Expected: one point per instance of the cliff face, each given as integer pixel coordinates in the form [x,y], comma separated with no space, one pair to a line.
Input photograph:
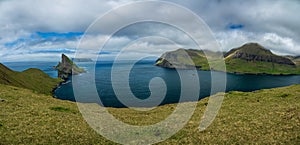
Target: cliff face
[67,67]
[256,52]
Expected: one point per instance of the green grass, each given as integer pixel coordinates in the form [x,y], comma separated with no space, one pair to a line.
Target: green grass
[256,67]
[32,78]
[60,109]
[261,117]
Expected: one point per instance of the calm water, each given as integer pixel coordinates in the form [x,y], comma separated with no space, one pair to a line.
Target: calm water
[140,76]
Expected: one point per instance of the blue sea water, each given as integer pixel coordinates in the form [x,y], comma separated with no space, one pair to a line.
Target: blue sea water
[140,76]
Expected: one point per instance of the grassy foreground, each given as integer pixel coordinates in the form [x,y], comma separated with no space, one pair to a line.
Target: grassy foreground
[265,117]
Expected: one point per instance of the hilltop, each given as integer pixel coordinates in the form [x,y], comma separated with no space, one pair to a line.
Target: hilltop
[251,58]
[255,59]
[261,117]
[31,78]
[256,52]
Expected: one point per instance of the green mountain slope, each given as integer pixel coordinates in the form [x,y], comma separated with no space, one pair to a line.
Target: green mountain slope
[250,58]
[261,117]
[255,59]
[32,78]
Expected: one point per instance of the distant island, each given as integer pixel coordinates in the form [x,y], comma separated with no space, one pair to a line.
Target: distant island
[82,60]
[67,67]
[251,58]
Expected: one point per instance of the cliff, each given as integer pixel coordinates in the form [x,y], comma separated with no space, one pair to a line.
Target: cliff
[67,67]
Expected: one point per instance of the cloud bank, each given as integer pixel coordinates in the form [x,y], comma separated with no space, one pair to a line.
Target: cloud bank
[42,30]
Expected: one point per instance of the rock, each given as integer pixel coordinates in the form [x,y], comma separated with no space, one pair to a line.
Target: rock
[67,67]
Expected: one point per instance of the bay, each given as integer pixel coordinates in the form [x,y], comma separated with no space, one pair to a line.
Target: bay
[140,76]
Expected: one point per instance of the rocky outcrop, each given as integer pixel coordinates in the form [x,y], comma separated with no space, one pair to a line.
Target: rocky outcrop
[67,67]
[256,52]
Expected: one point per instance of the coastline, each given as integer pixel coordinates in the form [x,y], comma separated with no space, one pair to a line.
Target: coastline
[200,97]
[236,73]
[57,86]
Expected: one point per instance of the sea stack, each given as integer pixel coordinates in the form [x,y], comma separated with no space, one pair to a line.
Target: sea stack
[67,67]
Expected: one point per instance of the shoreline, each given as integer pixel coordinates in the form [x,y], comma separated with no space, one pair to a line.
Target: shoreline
[175,103]
[236,73]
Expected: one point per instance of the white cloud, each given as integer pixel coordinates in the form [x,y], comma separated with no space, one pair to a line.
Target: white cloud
[278,44]
[273,23]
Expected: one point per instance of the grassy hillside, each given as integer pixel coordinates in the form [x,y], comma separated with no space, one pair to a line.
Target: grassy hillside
[242,66]
[255,59]
[263,117]
[33,79]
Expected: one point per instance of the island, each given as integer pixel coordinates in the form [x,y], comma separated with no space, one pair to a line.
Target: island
[250,58]
[67,67]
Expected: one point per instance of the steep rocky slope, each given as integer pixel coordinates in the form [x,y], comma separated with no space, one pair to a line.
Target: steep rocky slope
[67,67]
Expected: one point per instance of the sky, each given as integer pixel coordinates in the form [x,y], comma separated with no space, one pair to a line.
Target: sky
[34,30]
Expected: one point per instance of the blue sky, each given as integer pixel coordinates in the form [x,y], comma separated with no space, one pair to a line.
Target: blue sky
[68,35]
[236,26]
[49,28]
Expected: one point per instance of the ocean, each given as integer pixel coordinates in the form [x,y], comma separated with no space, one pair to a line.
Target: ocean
[165,90]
